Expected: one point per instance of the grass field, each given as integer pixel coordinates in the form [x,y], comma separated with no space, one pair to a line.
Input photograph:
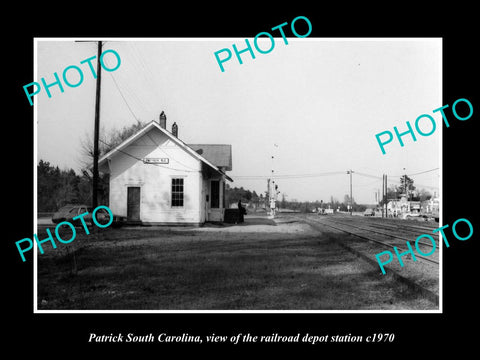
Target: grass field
[206,269]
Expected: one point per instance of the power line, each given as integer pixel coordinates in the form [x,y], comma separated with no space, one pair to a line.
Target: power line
[159,148]
[123,97]
[145,75]
[368,175]
[286,176]
[139,159]
[421,172]
[298,176]
[367,184]
[131,95]
[142,61]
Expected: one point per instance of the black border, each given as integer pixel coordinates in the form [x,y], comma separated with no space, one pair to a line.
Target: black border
[431,331]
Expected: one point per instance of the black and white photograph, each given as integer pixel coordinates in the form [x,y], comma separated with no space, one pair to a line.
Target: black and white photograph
[259,187]
[237,180]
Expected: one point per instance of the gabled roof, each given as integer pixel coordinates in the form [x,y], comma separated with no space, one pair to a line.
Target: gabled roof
[218,154]
[154,124]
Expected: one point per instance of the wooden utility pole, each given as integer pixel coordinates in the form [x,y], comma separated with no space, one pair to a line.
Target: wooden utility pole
[351,196]
[97,129]
[386,196]
[383,194]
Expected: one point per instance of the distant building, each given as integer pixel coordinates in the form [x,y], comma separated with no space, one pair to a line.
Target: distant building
[415,207]
[402,206]
[397,207]
[431,206]
[155,178]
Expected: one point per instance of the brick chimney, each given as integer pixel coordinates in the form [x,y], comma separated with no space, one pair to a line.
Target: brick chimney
[163,120]
[175,129]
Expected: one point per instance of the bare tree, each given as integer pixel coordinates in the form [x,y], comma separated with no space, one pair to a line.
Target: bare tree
[108,141]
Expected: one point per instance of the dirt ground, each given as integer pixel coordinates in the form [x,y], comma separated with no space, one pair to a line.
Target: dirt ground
[258,265]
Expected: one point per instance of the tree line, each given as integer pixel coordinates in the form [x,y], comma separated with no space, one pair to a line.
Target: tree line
[407,189]
[58,187]
[251,198]
[394,192]
[309,206]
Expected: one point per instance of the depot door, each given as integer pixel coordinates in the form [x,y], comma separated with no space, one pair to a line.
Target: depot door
[133,203]
[215,208]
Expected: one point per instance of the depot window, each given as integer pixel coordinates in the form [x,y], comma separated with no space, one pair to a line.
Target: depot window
[177,192]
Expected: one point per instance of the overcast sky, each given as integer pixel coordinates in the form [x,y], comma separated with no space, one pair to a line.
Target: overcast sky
[320,101]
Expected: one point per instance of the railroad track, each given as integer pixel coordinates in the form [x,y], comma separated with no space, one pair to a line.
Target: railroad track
[365,233]
[374,230]
[403,226]
[399,229]
[422,276]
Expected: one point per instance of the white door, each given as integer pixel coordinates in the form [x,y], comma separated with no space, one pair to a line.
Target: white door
[214,205]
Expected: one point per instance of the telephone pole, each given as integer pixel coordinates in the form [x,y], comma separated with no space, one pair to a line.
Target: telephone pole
[96,126]
[383,195]
[351,198]
[273,187]
[97,129]
[386,196]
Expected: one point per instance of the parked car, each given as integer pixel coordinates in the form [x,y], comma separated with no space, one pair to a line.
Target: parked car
[68,212]
[369,212]
[410,215]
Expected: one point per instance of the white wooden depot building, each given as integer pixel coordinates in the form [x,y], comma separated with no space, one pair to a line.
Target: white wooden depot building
[155,178]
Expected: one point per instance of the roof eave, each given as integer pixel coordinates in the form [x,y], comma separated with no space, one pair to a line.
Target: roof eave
[147,127]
